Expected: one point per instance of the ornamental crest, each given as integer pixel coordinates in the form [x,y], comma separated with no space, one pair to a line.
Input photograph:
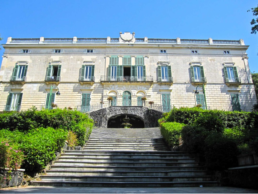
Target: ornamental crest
[127,37]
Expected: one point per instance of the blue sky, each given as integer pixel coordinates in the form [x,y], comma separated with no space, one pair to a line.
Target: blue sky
[197,19]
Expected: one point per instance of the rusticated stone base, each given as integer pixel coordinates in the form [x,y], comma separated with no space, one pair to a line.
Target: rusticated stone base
[149,116]
[11,178]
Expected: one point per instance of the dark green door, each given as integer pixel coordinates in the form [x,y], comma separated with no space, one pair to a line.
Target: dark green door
[126,98]
[166,102]
[139,101]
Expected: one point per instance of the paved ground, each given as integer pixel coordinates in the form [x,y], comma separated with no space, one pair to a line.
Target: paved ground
[128,190]
[147,133]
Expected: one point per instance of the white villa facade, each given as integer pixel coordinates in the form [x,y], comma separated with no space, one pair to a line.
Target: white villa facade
[87,71]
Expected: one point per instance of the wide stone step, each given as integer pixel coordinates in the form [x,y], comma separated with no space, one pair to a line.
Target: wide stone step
[63,158]
[82,167]
[125,178]
[108,156]
[124,144]
[143,164]
[125,149]
[77,172]
[126,152]
[125,184]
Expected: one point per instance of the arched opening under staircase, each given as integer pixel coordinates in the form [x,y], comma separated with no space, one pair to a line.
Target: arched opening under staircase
[117,120]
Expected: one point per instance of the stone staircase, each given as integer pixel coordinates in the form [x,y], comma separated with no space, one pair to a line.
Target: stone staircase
[125,158]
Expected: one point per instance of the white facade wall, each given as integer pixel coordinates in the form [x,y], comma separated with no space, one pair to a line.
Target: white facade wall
[179,57]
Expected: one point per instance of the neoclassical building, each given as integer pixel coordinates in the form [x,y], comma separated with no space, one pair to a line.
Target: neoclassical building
[90,73]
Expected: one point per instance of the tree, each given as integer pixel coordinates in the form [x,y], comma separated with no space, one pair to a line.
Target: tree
[255,81]
[254,21]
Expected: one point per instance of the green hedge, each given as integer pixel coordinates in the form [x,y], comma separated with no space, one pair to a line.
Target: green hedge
[171,132]
[229,119]
[38,145]
[81,124]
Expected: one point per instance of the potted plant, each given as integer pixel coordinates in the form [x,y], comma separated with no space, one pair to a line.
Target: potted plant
[143,100]
[151,103]
[110,98]
[70,108]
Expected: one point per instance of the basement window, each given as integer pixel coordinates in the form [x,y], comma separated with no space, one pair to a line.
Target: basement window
[57,51]
[163,51]
[25,51]
[89,51]
[226,52]
[194,52]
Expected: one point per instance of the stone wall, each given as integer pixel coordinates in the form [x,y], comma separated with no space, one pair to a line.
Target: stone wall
[150,117]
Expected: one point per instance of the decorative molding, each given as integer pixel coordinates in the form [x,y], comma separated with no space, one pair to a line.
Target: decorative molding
[22,62]
[228,63]
[86,90]
[236,90]
[163,63]
[16,89]
[195,62]
[54,90]
[165,90]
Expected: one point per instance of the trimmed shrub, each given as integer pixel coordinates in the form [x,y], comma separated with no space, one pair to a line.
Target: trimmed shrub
[220,152]
[211,122]
[171,132]
[71,139]
[235,134]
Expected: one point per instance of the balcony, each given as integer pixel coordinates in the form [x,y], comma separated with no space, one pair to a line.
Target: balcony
[147,79]
[200,81]
[233,82]
[16,80]
[167,81]
[52,79]
[89,80]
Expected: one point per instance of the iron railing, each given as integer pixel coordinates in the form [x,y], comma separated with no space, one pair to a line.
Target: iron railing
[15,108]
[16,79]
[126,79]
[53,78]
[200,80]
[168,79]
[90,79]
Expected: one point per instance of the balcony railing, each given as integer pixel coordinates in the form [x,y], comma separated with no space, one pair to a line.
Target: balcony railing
[10,108]
[17,79]
[90,79]
[156,40]
[236,80]
[52,78]
[200,80]
[126,79]
[192,41]
[167,80]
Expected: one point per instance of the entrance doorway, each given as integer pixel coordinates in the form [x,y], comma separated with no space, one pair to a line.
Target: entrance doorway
[116,121]
[126,98]
[127,73]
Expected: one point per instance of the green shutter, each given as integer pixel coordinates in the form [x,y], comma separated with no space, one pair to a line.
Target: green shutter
[169,73]
[202,73]
[19,102]
[58,73]
[200,100]
[47,101]
[133,73]
[113,102]
[113,60]
[53,97]
[139,60]
[235,74]
[144,73]
[119,71]
[15,69]
[159,73]
[25,71]
[108,73]
[48,72]
[226,74]
[85,102]
[127,60]
[192,74]
[82,73]
[139,101]
[9,101]
[92,72]
[166,102]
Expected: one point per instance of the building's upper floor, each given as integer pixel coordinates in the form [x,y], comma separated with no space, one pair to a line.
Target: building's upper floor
[125,59]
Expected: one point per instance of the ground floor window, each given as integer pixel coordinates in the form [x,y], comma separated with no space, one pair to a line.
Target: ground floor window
[200,100]
[13,102]
[235,102]
[166,102]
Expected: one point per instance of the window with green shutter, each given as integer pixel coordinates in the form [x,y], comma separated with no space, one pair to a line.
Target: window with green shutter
[166,102]
[53,73]
[200,100]
[87,73]
[50,99]
[85,102]
[230,74]
[235,102]
[164,73]
[19,73]
[13,102]
[197,73]
[139,60]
